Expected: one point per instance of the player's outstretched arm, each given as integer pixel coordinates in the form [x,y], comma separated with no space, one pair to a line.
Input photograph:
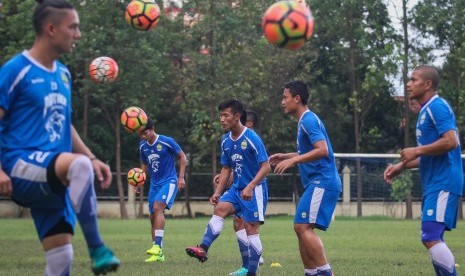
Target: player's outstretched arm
[182,170]
[102,170]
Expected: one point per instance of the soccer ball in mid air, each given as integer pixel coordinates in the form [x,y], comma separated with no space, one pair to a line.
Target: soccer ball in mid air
[136,177]
[103,70]
[288,24]
[133,118]
[142,15]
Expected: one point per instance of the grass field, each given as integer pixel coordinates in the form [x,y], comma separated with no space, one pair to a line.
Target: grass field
[371,246]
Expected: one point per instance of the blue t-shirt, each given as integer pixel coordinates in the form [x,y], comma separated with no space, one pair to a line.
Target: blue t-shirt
[244,156]
[160,158]
[321,172]
[37,104]
[439,172]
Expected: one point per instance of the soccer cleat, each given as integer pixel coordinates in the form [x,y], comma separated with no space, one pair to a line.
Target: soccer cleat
[261,261]
[154,250]
[155,258]
[240,272]
[103,260]
[197,252]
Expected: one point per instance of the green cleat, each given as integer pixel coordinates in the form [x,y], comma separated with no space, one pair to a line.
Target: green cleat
[103,260]
[155,258]
[154,250]
[240,272]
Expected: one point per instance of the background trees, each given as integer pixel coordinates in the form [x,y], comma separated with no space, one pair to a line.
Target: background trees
[213,50]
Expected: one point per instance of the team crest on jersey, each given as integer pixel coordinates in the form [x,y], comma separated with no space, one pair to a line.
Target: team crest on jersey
[304,215]
[64,79]
[430,212]
[255,214]
[159,147]
[164,196]
[244,145]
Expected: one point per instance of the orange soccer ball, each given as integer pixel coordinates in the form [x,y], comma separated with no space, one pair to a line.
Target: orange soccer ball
[288,24]
[133,118]
[136,177]
[142,15]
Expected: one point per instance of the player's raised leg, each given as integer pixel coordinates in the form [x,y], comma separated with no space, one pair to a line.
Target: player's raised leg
[77,171]
[212,232]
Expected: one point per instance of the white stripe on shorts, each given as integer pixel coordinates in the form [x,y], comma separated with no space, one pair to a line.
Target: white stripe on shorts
[28,171]
[315,203]
[441,206]
[258,191]
[170,192]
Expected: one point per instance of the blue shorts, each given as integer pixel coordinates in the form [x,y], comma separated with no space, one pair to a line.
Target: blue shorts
[31,188]
[250,210]
[165,192]
[316,206]
[441,206]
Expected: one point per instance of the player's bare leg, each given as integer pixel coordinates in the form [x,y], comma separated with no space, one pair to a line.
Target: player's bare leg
[311,248]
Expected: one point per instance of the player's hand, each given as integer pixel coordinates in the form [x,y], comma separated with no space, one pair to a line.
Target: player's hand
[6,188]
[276,158]
[282,166]
[408,154]
[215,198]
[216,179]
[102,172]
[181,183]
[393,171]
[247,193]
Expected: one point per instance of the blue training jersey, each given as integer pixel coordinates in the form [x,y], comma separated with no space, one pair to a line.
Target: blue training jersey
[37,104]
[244,156]
[160,158]
[322,172]
[439,172]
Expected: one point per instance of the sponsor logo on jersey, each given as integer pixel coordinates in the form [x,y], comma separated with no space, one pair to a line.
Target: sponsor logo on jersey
[38,80]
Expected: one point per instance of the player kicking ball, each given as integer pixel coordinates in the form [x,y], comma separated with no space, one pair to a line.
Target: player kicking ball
[243,152]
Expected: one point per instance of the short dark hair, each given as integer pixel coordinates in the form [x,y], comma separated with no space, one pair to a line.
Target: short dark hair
[252,116]
[149,124]
[243,118]
[235,105]
[298,88]
[48,9]
[429,72]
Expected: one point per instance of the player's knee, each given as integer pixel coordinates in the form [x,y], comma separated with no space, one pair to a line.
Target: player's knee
[300,229]
[159,207]
[238,224]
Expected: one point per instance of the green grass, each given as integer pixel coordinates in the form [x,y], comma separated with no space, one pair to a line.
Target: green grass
[373,246]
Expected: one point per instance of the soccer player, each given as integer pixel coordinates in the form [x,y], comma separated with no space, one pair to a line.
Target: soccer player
[251,120]
[243,152]
[45,165]
[158,155]
[438,158]
[319,177]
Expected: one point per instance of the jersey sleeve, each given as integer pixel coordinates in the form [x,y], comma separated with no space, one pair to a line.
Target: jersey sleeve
[225,158]
[9,79]
[259,146]
[313,128]
[443,117]
[141,153]
[175,148]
